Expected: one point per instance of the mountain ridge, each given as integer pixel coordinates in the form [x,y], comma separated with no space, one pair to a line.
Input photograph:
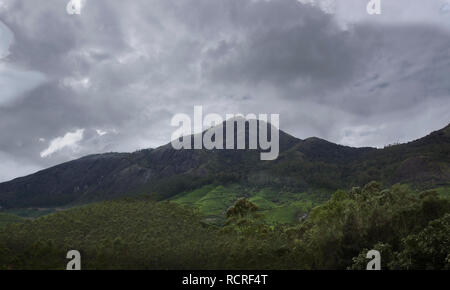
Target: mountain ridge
[310,163]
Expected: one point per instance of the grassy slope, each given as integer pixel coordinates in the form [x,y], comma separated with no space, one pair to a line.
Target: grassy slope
[277,206]
[443,191]
[212,201]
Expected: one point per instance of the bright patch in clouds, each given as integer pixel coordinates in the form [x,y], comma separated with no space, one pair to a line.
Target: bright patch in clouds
[14,82]
[70,140]
[11,167]
[6,38]
[101,132]
[83,83]
[360,136]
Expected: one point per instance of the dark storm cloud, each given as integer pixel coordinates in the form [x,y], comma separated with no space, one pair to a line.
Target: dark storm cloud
[308,47]
[111,78]
[48,39]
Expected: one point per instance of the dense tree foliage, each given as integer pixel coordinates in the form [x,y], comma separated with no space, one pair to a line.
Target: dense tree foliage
[6,218]
[362,218]
[411,231]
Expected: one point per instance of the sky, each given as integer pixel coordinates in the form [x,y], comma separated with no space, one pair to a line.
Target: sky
[112,77]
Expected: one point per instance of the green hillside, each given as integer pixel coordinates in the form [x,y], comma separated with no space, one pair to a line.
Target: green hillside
[312,165]
[142,233]
[443,190]
[137,233]
[278,206]
[6,219]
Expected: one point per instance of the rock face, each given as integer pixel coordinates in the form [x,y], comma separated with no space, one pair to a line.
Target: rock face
[302,164]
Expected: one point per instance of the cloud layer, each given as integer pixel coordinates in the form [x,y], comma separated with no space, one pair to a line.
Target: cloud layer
[124,68]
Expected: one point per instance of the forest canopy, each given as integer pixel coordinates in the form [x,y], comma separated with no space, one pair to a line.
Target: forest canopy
[411,230]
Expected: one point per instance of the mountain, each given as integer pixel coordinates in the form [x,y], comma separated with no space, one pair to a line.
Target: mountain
[310,164]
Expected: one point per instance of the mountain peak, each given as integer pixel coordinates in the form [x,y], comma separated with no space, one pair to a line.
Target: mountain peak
[302,165]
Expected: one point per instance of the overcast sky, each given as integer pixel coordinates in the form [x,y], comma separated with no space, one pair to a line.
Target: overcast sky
[111,78]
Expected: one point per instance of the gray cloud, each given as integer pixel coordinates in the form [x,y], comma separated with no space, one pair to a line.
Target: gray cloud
[124,68]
